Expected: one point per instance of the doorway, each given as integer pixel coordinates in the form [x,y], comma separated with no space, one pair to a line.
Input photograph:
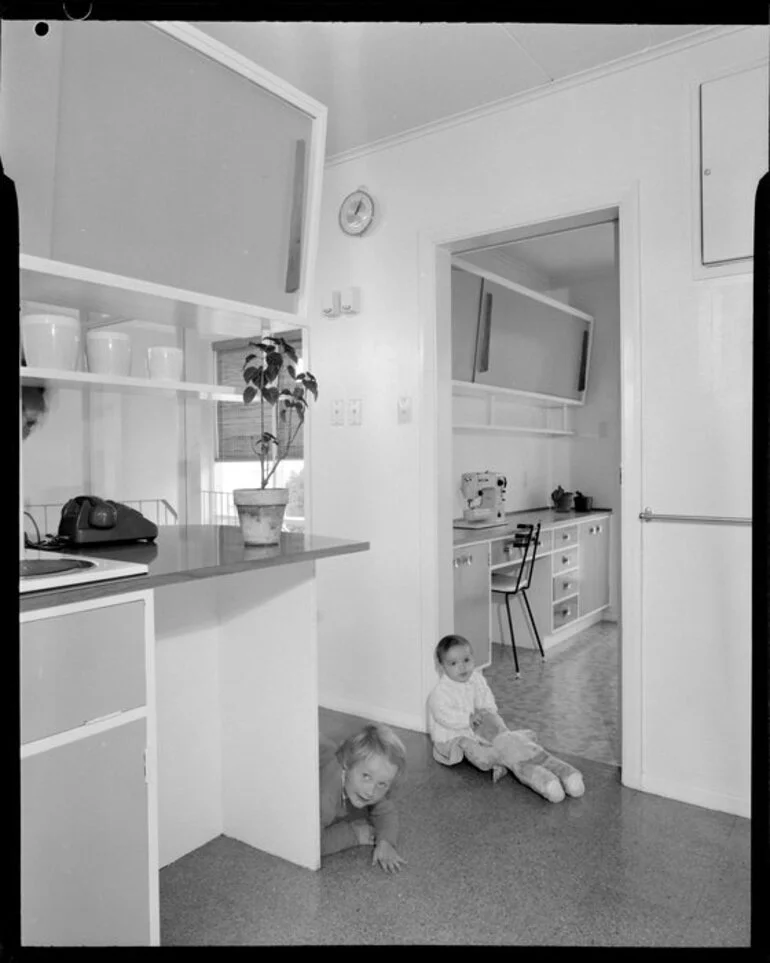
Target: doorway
[572,698]
[563,257]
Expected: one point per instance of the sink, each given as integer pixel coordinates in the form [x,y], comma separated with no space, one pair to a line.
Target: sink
[30,567]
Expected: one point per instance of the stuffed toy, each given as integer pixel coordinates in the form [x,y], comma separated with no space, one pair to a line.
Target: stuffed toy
[528,761]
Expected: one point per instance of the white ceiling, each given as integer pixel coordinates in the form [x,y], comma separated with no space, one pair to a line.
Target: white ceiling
[380,80]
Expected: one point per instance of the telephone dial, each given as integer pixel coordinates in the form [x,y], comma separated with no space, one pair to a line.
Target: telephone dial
[88,520]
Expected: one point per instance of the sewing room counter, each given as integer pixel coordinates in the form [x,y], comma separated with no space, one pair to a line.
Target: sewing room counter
[548,518]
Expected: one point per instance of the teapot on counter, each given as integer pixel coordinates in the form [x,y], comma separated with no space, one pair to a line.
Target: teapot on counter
[562,500]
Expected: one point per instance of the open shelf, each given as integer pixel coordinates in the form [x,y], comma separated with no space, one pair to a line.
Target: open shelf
[85,379]
[516,429]
[125,298]
[472,390]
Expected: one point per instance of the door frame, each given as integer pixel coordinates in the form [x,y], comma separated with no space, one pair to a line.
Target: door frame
[435,426]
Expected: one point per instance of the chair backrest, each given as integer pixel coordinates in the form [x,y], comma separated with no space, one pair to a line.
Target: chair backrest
[527,538]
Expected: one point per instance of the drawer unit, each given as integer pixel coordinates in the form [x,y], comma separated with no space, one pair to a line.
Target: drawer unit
[81,666]
[565,537]
[565,612]
[564,559]
[565,585]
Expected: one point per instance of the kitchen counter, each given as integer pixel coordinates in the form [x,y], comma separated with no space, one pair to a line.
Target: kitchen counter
[188,552]
[548,518]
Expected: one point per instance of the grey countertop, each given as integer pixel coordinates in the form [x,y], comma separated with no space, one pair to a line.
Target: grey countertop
[187,552]
[547,517]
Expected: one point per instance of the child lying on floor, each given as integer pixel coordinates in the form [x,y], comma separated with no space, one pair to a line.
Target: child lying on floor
[356,781]
[464,723]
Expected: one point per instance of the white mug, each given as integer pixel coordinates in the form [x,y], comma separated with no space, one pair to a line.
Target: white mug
[165,363]
[51,341]
[108,352]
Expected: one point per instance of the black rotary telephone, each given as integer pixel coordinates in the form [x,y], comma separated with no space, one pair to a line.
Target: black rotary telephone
[88,520]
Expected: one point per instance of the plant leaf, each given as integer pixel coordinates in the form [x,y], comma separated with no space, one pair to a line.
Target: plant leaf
[248,394]
[270,395]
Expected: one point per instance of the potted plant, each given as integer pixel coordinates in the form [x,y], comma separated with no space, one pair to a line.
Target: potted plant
[261,510]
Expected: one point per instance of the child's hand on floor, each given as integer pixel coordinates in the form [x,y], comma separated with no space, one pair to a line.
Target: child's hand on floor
[364,832]
[386,856]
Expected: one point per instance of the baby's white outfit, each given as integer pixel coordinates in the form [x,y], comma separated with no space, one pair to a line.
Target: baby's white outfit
[449,707]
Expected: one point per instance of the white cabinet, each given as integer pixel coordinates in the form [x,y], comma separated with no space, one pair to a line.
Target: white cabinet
[89,858]
[733,127]
[594,541]
[530,345]
[471,599]
[154,152]
[85,873]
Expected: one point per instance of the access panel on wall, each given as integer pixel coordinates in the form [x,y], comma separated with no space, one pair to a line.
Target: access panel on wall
[155,161]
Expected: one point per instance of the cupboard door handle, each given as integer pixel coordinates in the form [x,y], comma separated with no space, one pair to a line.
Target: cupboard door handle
[486,333]
[295,224]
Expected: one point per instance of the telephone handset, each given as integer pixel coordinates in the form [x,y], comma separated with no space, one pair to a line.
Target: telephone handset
[88,519]
[101,513]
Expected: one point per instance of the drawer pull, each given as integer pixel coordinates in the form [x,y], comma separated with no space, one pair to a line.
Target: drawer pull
[565,537]
[564,612]
[565,585]
[564,559]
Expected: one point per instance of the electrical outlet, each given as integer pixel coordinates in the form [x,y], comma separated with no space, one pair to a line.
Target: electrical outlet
[338,411]
[404,410]
[354,411]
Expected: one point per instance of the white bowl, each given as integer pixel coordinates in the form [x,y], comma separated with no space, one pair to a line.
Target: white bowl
[108,352]
[165,363]
[51,341]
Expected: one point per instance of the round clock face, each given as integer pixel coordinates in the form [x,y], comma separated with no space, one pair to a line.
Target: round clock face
[356,213]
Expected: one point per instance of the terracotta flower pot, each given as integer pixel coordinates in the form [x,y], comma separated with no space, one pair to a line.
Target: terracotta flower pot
[260,512]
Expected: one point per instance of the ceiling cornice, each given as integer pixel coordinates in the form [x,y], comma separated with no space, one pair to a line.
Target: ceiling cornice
[556,86]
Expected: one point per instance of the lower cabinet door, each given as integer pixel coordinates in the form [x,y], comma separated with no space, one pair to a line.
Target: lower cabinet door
[84,842]
[471,599]
[594,565]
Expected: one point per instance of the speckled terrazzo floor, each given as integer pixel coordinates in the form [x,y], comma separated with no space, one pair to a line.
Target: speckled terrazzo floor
[487,864]
[571,699]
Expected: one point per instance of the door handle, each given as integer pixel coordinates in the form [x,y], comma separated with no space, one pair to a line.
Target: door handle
[648,515]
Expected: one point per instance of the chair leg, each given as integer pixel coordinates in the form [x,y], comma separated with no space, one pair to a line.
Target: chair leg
[534,626]
[513,641]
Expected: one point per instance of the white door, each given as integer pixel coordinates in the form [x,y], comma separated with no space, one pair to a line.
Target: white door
[696,575]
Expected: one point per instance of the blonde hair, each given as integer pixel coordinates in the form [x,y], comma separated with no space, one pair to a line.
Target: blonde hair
[374,739]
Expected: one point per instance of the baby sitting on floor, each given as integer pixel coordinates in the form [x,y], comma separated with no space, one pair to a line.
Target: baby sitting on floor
[464,723]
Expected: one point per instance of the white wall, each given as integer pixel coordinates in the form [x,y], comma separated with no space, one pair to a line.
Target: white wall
[581,148]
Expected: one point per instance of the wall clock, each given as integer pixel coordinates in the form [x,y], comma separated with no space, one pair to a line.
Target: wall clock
[357,213]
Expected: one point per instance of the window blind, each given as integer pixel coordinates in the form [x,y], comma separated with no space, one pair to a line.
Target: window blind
[238,425]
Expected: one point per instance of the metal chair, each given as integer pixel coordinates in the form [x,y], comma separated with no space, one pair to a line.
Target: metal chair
[526,539]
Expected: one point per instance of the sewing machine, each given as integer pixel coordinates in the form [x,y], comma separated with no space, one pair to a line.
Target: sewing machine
[484,491]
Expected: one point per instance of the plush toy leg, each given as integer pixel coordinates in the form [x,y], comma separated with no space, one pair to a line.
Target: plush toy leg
[539,778]
[569,776]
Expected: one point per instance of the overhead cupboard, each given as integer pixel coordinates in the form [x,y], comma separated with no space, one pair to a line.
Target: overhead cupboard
[512,346]
[126,163]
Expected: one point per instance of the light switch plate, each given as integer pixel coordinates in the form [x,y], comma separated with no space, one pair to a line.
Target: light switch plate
[338,411]
[354,411]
